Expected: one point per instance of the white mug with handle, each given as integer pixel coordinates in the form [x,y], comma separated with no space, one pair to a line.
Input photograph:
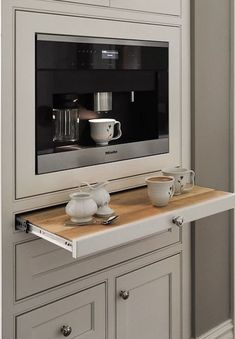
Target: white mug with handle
[184,179]
[160,189]
[102,130]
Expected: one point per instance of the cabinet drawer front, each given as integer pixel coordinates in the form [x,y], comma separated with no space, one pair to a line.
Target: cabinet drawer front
[172,7]
[152,309]
[83,312]
[41,265]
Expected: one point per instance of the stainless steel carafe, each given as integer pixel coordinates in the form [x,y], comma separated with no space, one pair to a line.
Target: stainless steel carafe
[66,118]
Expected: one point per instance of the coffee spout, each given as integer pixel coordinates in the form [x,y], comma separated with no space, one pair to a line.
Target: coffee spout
[102,102]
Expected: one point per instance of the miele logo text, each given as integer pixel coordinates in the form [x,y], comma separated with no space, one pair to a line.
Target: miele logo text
[110,152]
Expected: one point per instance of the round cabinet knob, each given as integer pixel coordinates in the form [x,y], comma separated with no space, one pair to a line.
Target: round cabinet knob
[178,221]
[124,295]
[66,330]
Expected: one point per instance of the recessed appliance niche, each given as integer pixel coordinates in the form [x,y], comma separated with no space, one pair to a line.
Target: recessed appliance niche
[122,83]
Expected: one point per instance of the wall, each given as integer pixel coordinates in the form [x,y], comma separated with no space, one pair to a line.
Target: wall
[211,159]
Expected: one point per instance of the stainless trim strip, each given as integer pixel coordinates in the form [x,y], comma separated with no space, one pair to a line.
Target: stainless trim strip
[54,162]
[82,39]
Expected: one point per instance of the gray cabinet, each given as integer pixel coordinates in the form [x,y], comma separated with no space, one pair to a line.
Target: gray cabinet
[40,265]
[172,7]
[82,314]
[148,303]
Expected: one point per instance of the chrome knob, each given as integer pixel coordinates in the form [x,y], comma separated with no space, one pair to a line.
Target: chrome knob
[178,221]
[66,330]
[124,295]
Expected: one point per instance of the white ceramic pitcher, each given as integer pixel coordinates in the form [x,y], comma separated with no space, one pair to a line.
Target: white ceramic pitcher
[101,197]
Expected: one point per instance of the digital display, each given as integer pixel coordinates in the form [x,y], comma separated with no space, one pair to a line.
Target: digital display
[113,55]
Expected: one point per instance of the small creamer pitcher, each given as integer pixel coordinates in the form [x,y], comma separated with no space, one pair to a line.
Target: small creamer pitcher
[101,197]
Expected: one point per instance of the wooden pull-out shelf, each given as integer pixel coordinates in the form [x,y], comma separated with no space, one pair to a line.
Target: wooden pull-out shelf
[138,219]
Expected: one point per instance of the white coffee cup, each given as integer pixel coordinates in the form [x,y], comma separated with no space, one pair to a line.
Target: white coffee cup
[160,189]
[102,130]
[184,179]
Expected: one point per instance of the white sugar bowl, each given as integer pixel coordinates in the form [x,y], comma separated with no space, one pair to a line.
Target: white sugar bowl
[81,207]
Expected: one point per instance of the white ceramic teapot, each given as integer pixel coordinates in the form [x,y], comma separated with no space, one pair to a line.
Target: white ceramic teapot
[101,197]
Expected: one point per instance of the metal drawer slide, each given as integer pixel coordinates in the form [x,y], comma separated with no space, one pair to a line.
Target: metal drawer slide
[27,227]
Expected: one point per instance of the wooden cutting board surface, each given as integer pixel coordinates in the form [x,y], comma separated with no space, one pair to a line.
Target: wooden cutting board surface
[131,206]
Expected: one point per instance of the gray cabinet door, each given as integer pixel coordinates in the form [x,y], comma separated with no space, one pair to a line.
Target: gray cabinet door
[83,312]
[171,7]
[152,310]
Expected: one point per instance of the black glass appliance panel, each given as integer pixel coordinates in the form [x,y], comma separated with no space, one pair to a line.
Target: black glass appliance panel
[78,79]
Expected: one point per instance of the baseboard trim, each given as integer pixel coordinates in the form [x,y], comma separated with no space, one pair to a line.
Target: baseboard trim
[222,331]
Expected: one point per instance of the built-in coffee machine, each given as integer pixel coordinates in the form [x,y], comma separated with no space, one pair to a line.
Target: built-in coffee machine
[99,100]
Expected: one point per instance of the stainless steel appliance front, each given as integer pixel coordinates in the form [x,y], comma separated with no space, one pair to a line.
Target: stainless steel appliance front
[81,78]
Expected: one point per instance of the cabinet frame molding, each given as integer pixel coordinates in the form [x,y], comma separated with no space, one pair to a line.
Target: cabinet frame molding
[27,24]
